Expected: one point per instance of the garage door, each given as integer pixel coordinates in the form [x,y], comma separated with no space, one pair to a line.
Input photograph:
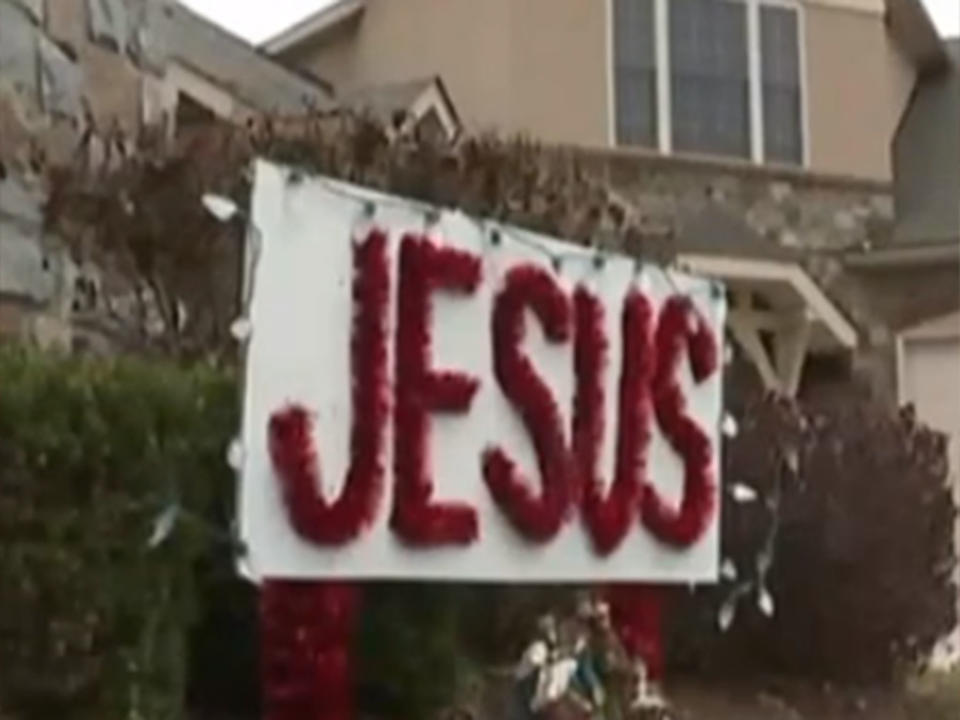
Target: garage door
[930,379]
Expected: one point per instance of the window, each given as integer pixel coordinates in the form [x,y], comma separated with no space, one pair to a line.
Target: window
[780,69]
[636,72]
[709,76]
[709,88]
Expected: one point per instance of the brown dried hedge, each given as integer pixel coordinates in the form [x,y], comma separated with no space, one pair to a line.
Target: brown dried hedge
[863,553]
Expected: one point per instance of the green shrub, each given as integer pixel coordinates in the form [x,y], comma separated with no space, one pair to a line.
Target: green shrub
[408,650]
[93,624]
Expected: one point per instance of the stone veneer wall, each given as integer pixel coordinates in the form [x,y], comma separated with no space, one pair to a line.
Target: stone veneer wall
[787,208]
[810,219]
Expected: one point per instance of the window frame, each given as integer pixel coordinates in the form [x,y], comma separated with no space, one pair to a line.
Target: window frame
[664,110]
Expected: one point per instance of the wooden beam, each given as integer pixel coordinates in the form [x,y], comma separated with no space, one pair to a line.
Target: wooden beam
[748,337]
[735,270]
[790,343]
[763,320]
[790,336]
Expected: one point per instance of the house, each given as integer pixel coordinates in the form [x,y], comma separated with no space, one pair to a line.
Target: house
[134,63]
[924,253]
[805,151]
[642,72]
[741,128]
[927,242]
[80,80]
[927,238]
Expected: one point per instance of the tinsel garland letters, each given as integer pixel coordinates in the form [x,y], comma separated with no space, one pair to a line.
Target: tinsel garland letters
[569,480]
[416,518]
[538,517]
[608,517]
[681,327]
[292,450]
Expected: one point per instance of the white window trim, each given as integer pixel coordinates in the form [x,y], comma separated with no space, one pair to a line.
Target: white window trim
[755,81]
[754,60]
[661,39]
[900,344]
[804,84]
[432,99]
[611,61]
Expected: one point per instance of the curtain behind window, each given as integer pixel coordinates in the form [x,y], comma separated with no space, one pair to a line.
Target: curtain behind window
[709,81]
[635,74]
[780,72]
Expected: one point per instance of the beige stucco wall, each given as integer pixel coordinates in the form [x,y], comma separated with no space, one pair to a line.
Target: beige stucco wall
[332,57]
[858,85]
[540,67]
[537,67]
[461,40]
[558,70]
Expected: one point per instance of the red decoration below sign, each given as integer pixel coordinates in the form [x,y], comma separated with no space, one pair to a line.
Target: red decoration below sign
[291,448]
[681,327]
[425,267]
[306,633]
[636,612]
[537,516]
[609,516]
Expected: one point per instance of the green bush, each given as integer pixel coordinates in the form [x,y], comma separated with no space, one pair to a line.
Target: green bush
[93,623]
[408,650]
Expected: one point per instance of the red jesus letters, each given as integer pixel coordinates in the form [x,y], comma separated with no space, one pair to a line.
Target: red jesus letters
[568,479]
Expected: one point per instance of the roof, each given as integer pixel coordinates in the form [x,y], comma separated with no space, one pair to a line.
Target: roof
[786,286]
[414,97]
[382,100]
[904,255]
[911,24]
[926,159]
[908,21]
[718,243]
[237,66]
[156,32]
[939,328]
[327,18]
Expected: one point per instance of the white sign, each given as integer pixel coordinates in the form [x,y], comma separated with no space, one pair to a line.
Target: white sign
[430,396]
